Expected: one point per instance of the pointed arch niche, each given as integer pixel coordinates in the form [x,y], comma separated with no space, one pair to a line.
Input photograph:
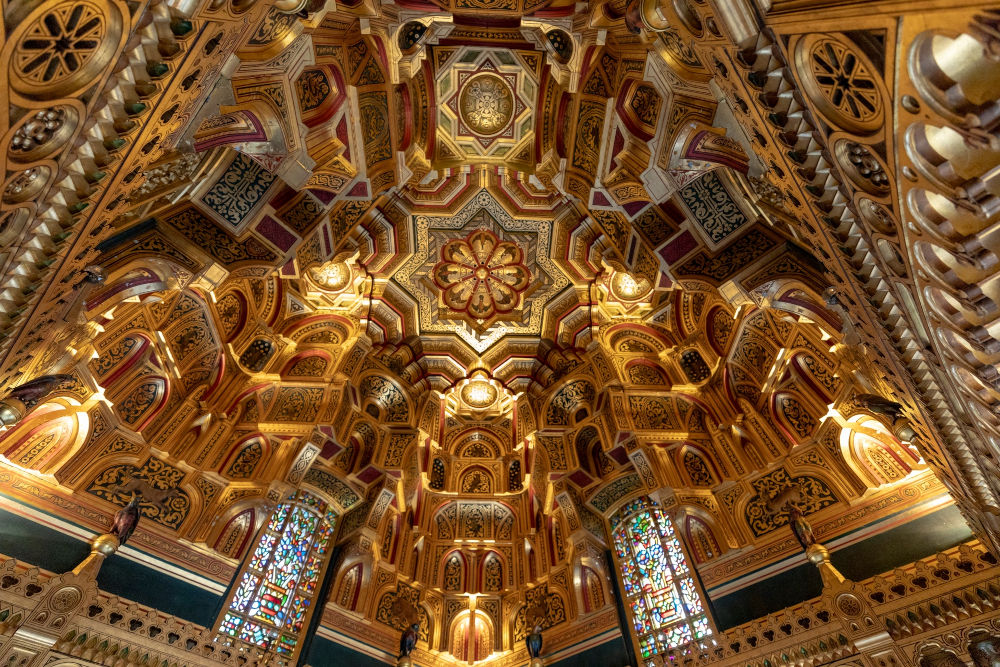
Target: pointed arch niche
[666,605]
[472,637]
[349,588]
[47,437]
[454,570]
[491,570]
[875,454]
[233,539]
[591,589]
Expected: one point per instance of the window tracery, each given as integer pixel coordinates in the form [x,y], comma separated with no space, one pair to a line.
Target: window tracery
[662,598]
[273,601]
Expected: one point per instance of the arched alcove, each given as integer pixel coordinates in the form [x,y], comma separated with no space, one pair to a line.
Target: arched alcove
[875,454]
[472,637]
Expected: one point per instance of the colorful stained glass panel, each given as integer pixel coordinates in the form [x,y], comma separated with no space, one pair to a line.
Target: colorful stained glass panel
[665,603]
[271,604]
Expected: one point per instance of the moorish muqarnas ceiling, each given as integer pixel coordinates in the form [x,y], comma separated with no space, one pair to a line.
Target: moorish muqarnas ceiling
[473,278]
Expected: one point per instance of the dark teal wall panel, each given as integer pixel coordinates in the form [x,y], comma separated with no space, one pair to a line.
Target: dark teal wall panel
[49,549]
[326,653]
[158,590]
[608,654]
[38,545]
[52,550]
[766,597]
[903,544]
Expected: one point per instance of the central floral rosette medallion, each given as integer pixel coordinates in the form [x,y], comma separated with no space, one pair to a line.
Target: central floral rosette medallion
[481,277]
[486,104]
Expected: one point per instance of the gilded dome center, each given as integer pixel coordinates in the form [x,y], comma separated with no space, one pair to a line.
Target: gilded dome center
[486,104]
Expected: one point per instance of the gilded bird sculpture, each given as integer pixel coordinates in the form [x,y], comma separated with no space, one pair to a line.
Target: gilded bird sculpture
[534,642]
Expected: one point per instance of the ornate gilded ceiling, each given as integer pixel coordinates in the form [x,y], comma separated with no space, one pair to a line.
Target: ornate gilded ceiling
[479,273]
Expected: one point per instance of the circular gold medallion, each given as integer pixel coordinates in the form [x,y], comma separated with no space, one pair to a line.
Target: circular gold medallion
[479,394]
[841,82]
[66,598]
[25,185]
[332,276]
[486,104]
[64,46]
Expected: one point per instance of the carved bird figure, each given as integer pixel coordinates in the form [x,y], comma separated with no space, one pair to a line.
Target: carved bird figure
[126,519]
[31,392]
[534,642]
[879,405]
[93,274]
[409,640]
[800,527]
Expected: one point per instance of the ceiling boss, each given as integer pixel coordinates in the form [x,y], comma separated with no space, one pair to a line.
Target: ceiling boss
[481,277]
[486,104]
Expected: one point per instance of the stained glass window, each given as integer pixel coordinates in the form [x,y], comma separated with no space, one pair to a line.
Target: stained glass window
[270,604]
[660,593]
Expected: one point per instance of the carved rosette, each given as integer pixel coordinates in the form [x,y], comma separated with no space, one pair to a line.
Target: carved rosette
[841,82]
[481,277]
[58,49]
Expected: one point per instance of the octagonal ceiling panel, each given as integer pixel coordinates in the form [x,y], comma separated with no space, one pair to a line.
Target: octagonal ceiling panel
[481,301]
[487,110]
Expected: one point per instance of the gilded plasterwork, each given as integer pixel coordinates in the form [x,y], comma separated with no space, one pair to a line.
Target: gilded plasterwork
[486,104]
[531,237]
[481,277]
[478,274]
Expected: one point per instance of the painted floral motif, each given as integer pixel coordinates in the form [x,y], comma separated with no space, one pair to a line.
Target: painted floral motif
[815,493]
[162,500]
[338,490]
[486,104]
[615,491]
[245,462]
[493,574]
[547,609]
[400,607]
[569,401]
[483,108]
[481,276]
[241,187]
[312,89]
[713,207]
